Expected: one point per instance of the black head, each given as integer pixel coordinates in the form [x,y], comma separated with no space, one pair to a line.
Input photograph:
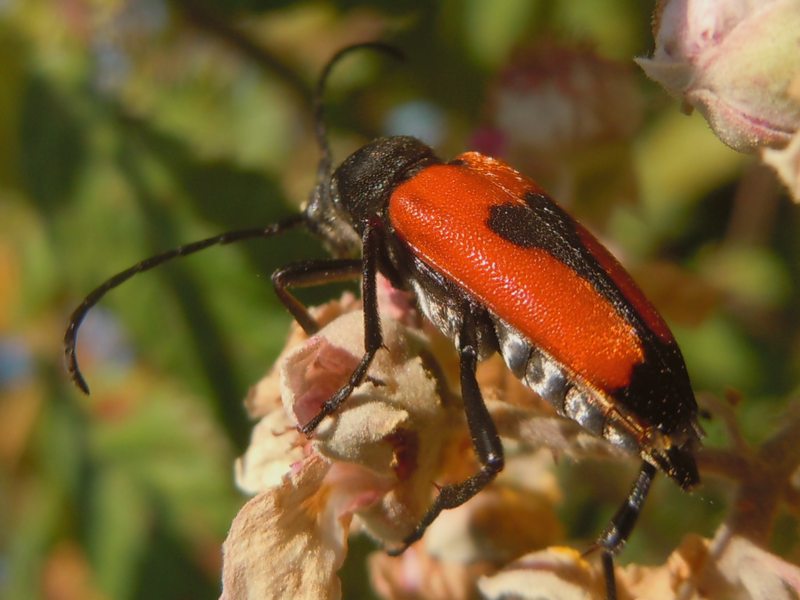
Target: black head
[361,186]
[360,189]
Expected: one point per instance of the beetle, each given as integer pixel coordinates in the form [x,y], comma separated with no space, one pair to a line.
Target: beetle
[497,266]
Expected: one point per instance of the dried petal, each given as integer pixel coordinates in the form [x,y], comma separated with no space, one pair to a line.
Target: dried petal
[274,448]
[497,525]
[556,573]
[667,580]
[276,548]
[265,396]
[311,375]
[730,566]
[757,573]
[416,574]
[786,163]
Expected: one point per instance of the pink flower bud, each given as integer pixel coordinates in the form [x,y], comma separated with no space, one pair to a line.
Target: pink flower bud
[734,61]
[556,97]
[564,115]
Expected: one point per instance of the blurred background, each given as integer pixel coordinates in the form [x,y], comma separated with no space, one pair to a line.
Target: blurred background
[131,127]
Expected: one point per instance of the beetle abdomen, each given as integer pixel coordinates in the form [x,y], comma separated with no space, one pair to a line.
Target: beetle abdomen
[572,399]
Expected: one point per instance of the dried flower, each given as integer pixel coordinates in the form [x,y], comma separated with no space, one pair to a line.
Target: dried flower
[555,97]
[372,466]
[553,573]
[375,459]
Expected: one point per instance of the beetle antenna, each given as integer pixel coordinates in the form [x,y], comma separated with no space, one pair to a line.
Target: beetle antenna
[325,169]
[229,237]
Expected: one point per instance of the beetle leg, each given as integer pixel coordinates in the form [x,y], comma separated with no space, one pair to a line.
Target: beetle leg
[310,273]
[619,529]
[373,337]
[483,432]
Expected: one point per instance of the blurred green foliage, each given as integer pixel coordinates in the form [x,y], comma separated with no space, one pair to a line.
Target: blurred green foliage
[127,128]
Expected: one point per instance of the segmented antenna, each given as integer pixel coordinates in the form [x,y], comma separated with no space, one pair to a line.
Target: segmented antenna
[324,171]
[75,320]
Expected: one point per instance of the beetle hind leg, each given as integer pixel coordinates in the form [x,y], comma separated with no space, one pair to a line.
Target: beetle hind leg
[485,440]
[621,525]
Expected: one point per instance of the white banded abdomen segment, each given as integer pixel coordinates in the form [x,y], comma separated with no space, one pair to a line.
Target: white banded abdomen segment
[571,399]
[537,370]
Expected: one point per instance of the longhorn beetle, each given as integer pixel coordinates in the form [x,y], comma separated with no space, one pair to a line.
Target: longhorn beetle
[497,266]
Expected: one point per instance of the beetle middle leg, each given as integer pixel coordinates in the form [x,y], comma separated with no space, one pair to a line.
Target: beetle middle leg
[485,440]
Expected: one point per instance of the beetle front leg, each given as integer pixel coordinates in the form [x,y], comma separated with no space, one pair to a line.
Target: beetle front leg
[373,337]
[307,274]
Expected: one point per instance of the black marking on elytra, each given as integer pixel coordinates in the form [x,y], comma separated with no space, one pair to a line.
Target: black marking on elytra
[659,389]
[541,223]
[518,225]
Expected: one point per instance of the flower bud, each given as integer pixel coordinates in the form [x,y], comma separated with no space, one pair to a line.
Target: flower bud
[556,97]
[565,115]
[735,62]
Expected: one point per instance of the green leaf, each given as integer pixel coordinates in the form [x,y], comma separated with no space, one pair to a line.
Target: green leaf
[53,146]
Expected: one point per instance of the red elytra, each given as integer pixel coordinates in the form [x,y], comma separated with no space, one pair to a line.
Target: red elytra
[563,313]
[442,214]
